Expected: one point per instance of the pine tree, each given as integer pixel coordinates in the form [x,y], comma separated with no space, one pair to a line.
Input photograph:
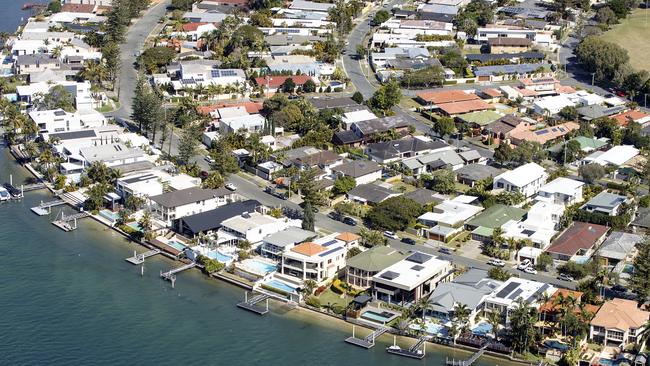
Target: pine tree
[308,217]
[640,280]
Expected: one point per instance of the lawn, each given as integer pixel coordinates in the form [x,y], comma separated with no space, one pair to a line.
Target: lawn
[632,34]
[330,297]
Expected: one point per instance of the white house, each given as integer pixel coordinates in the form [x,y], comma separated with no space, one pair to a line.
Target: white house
[616,156]
[58,120]
[251,123]
[411,279]
[254,227]
[170,206]
[539,227]
[143,185]
[275,244]
[319,260]
[113,154]
[504,299]
[448,218]
[563,191]
[526,179]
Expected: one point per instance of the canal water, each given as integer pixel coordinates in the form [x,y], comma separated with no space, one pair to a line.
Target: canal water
[71,299]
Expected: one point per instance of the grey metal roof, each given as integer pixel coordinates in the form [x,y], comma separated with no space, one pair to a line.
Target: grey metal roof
[371,192]
[324,103]
[189,195]
[607,200]
[289,236]
[642,218]
[509,69]
[39,58]
[394,148]
[619,245]
[380,125]
[211,220]
[590,112]
[72,135]
[423,196]
[484,57]
[476,172]
[357,168]
[469,289]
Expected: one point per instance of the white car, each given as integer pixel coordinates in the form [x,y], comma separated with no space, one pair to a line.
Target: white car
[530,270]
[209,159]
[496,262]
[231,186]
[523,265]
[390,234]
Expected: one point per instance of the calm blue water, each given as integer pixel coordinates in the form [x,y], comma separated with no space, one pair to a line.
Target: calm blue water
[10,14]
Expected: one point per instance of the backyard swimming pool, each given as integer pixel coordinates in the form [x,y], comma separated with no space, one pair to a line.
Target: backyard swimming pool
[134,225]
[281,286]
[432,328]
[176,245]
[383,317]
[555,344]
[215,254]
[260,266]
[482,329]
[113,216]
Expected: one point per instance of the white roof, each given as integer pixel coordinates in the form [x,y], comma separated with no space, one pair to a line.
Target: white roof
[246,121]
[358,116]
[522,175]
[617,155]
[230,112]
[530,252]
[407,274]
[562,185]
[515,288]
[451,212]
[242,223]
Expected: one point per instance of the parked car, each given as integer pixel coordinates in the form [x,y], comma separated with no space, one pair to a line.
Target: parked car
[204,174]
[231,186]
[349,221]
[334,216]
[565,277]
[390,234]
[209,159]
[523,265]
[408,241]
[444,250]
[619,288]
[496,262]
[530,270]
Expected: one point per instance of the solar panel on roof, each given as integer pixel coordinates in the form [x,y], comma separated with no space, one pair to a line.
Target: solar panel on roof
[515,294]
[330,251]
[554,129]
[214,73]
[541,132]
[389,275]
[561,129]
[228,73]
[417,267]
[539,291]
[331,242]
[508,289]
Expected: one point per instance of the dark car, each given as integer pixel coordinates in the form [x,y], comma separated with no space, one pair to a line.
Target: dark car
[349,221]
[334,216]
[619,288]
[408,241]
[204,174]
[445,250]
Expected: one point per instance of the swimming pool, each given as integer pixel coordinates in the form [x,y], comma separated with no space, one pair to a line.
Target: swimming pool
[383,317]
[215,254]
[134,225]
[607,362]
[113,216]
[482,329]
[176,245]
[432,328]
[555,344]
[260,266]
[281,286]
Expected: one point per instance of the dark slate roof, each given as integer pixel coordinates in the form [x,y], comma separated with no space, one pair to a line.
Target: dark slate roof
[590,112]
[324,103]
[509,69]
[476,172]
[371,192]
[72,135]
[485,57]
[39,58]
[346,137]
[423,196]
[394,148]
[642,218]
[373,126]
[211,220]
[357,168]
[504,124]
[189,195]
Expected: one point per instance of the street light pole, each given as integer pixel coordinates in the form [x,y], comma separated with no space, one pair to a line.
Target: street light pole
[593,76]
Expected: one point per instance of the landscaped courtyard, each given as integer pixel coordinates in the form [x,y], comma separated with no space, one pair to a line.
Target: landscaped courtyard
[632,34]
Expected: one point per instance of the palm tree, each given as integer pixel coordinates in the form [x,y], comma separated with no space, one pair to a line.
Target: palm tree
[461,314]
[146,224]
[522,319]
[31,149]
[423,305]
[47,159]
[309,286]
[544,298]
[644,335]
[494,319]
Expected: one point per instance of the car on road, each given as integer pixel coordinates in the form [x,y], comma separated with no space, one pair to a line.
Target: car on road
[231,186]
[523,265]
[349,221]
[530,270]
[334,216]
[444,250]
[210,160]
[390,234]
[408,241]
[204,174]
[496,262]
[565,277]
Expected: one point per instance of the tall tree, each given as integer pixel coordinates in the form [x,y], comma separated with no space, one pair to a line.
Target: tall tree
[308,216]
[640,281]
[522,319]
[188,143]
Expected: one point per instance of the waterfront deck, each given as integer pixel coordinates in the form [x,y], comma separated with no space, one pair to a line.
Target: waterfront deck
[139,258]
[69,223]
[251,304]
[417,350]
[369,341]
[171,274]
[46,207]
[470,360]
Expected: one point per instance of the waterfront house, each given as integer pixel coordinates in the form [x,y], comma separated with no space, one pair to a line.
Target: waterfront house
[526,179]
[144,185]
[504,298]
[319,260]
[606,203]
[618,247]
[411,279]
[275,244]
[171,206]
[363,171]
[111,155]
[58,120]
[562,191]
[618,322]
[253,227]
[551,311]
[578,242]
[209,222]
[362,267]
[469,289]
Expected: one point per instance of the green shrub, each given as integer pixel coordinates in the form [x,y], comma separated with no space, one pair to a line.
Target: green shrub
[313,301]
[337,287]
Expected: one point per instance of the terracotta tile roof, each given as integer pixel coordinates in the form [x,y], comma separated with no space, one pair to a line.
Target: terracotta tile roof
[551,305]
[544,135]
[465,107]
[308,248]
[447,96]
[276,81]
[509,42]
[77,8]
[491,92]
[620,314]
[527,92]
[565,89]
[251,107]
[192,27]
[624,118]
[348,237]
[580,235]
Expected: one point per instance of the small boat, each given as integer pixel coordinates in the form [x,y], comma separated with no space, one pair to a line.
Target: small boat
[4,194]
